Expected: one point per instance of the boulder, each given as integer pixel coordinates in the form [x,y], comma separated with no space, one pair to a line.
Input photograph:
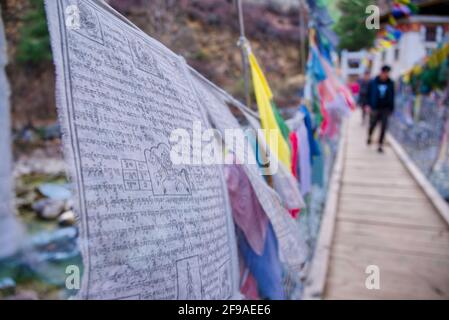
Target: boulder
[67,219]
[49,209]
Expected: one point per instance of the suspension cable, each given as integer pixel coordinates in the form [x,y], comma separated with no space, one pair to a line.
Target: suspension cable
[242,43]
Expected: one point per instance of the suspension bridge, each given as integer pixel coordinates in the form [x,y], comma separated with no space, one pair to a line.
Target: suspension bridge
[381,212]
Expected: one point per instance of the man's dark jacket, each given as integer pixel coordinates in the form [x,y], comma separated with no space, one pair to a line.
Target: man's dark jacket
[373,95]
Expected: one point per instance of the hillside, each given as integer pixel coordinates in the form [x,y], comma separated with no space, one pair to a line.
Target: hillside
[205,32]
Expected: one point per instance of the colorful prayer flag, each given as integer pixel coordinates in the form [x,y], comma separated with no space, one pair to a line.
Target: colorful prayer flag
[267,115]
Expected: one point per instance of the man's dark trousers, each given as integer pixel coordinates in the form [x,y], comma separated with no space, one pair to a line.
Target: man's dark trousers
[379,116]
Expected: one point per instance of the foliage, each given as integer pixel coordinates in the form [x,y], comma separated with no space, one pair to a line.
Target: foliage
[351,26]
[34,44]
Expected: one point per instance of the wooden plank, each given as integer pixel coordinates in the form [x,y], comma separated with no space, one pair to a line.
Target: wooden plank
[354,228]
[393,259]
[367,154]
[388,171]
[386,189]
[400,274]
[335,290]
[367,174]
[374,167]
[358,205]
[384,203]
[384,186]
[396,219]
[435,198]
[378,182]
[405,193]
[421,242]
[423,281]
[407,212]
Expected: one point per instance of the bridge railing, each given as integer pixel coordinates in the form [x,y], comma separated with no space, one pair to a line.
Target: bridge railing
[421,125]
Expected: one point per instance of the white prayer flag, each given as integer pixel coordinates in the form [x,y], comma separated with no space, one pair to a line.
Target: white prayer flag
[149,228]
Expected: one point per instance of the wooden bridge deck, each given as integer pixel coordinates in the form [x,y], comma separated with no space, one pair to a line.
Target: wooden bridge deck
[384,218]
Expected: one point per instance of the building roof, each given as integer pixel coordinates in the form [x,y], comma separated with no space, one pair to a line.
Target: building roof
[426,8]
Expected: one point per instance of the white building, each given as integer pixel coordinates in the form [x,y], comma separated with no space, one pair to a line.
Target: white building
[421,33]
[351,63]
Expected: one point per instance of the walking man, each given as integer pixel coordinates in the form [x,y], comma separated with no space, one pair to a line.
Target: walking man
[364,84]
[381,104]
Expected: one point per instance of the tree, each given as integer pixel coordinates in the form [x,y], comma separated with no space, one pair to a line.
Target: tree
[351,26]
[34,45]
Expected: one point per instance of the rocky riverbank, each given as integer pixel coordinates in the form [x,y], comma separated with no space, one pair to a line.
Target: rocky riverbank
[44,206]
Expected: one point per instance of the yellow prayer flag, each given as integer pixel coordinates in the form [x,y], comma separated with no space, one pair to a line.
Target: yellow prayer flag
[433,61]
[267,118]
[262,78]
[392,20]
[416,70]
[406,78]
[444,52]
[385,44]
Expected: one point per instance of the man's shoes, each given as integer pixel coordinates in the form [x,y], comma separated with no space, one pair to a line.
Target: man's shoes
[380,150]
